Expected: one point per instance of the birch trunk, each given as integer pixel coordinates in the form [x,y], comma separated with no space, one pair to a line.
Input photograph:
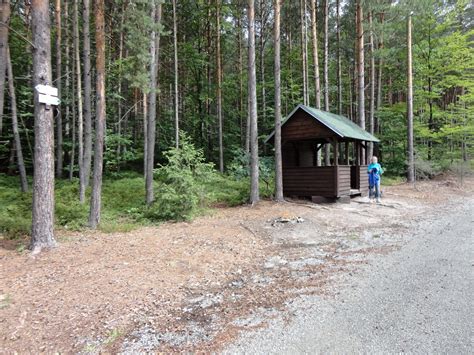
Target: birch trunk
[16,134]
[42,226]
[94,216]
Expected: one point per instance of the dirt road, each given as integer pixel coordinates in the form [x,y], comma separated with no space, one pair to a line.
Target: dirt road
[418,299]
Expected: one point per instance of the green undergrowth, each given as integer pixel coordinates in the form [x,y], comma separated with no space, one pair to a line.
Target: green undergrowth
[123,203]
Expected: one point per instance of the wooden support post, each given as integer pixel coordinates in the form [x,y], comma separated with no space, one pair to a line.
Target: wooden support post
[346,145]
[335,145]
[357,153]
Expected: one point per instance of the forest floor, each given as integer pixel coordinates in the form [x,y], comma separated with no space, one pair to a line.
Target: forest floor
[195,286]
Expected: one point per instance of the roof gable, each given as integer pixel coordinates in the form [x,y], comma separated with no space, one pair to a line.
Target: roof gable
[340,125]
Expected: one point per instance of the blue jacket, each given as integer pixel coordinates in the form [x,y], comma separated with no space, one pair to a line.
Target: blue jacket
[374,171]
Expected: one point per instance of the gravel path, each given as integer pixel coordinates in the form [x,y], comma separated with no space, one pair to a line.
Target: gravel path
[419,299]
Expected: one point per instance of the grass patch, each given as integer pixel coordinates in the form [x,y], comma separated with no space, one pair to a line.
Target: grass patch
[123,202]
[392,180]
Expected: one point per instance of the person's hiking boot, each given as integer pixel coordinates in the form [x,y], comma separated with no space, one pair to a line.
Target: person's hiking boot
[378,200]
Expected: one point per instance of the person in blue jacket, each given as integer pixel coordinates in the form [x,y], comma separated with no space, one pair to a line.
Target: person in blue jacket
[374,170]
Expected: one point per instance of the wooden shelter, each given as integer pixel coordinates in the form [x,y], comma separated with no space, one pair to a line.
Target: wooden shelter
[306,131]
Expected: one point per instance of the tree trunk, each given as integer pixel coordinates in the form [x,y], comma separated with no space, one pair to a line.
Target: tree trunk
[5,19]
[94,216]
[176,98]
[339,63]
[360,71]
[326,56]
[303,51]
[379,76]
[262,59]
[87,92]
[327,147]
[254,192]
[73,125]
[372,86]
[277,137]
[59,122]
[410,151]
[42,228]
[67,77]
[317,84]
[151,131]
[16,134]
[80,122]
[219,85]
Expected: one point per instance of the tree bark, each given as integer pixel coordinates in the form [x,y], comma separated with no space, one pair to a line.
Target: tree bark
[372,86]
[327,147]
[326,56]
[16,134]
[254,192]
[303,51]
[219,85]
[262,59]
[176,98]
[5,19]
[87,92]
[42,228]
[80,122]
[317,84]
[360,70]
[339,61]
[151,131]
[59,121]
[277,137]
[410,151]
[94,216]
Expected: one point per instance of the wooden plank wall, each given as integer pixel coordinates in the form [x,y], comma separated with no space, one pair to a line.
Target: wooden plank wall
[344,180]
[364,179]
[309,181]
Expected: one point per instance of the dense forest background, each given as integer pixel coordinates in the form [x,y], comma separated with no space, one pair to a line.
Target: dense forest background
[200,53]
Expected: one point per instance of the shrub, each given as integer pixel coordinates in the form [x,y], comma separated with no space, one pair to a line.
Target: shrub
[182,178]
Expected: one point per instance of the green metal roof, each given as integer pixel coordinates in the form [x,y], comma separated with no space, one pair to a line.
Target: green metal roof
[340,125]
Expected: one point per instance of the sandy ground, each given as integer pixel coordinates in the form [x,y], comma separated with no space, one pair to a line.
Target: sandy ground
[196,286]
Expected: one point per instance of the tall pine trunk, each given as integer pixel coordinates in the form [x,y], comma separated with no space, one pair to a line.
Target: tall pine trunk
[360,70]
[327,159]
[303,51]
[87,92]
[94,216]
[314,30]
[59,121]
[372,85]
[151,131]
[176,98]
[4,19]
[254,192]
[277,137]
[219,85]
[410,150]
[80,122]
[16,133]
[42,226]
[339,62]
